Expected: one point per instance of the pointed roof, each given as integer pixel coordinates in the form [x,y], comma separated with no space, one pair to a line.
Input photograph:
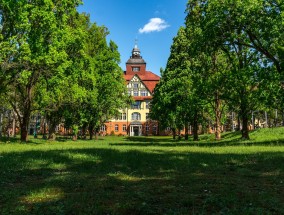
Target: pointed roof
[148,78]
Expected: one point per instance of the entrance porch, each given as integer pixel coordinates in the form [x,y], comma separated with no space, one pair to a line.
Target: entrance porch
[135,129]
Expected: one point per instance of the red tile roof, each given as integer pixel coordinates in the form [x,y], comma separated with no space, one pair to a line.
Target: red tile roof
[141,98]
[150,85]
[148,78]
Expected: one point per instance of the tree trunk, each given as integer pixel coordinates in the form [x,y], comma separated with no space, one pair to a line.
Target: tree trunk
[218,115]
[282,118]
[179,135]
[25,125]
[74,137]
[174,133]
[97,129]
[51,130]
[252,120]
[245,131]
[44,129]
[91,128]
[238,128]
[1,124]
[195,127]
[14,125]
[276,118]
[186,131]
[84,128]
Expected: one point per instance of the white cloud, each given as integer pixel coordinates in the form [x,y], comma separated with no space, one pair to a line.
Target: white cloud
[154,24]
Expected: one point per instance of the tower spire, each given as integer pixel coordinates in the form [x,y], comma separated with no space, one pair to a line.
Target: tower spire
[136,42]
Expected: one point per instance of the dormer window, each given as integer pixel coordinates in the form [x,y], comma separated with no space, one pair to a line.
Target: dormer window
[135,69]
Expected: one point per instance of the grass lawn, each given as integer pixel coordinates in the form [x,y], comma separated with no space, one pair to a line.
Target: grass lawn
[145,175]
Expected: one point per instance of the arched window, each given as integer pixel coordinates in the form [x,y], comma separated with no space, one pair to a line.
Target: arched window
[116,127]
[136,116]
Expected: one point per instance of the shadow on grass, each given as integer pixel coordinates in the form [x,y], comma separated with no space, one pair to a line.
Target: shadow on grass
[109,181]
[229,140]
[11,140]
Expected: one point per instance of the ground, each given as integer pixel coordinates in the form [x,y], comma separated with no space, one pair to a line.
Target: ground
[144,175]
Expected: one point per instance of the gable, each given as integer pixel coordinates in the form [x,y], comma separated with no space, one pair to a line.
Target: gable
[137,84]
[148,80]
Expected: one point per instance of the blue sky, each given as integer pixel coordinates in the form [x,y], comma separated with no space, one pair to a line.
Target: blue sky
[153,22]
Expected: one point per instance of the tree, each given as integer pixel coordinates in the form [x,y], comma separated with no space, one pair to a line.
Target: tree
[177,102]
[111,87]
[33,34]
[261,23]
[222,26]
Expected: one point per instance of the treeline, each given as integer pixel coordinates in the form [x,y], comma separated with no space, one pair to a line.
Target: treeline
[56,63]
[228,58]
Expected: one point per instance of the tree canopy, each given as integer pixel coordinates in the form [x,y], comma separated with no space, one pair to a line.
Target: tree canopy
[53,59]
[228,56]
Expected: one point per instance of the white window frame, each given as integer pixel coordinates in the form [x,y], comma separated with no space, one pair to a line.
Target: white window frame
[144,93]
[135,69]
[135,116]
[135,93]
[103,127]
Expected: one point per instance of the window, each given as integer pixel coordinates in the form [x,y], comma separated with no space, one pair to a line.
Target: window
[144,93]
[147,127]
[135,69]
[103,128]
[136,105]
[147,104]
[154,128]
[122,116]
[129,92]
[116,127]
[124,127]
[135,93]
[135,85]
[136,116]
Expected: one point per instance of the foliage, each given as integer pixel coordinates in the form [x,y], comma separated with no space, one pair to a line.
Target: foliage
[54,60]
[222,59]
[33,35]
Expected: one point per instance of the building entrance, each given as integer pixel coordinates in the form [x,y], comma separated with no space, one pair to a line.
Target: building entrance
[135,129]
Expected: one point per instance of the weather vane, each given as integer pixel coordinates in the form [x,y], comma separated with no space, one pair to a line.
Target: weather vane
[136,41]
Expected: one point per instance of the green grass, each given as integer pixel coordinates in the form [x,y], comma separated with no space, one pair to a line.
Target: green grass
[146,175]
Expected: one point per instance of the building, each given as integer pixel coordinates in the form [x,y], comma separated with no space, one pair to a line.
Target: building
[134,120]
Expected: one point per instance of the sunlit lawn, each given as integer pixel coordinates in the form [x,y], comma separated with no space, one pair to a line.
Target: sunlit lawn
[147,175]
